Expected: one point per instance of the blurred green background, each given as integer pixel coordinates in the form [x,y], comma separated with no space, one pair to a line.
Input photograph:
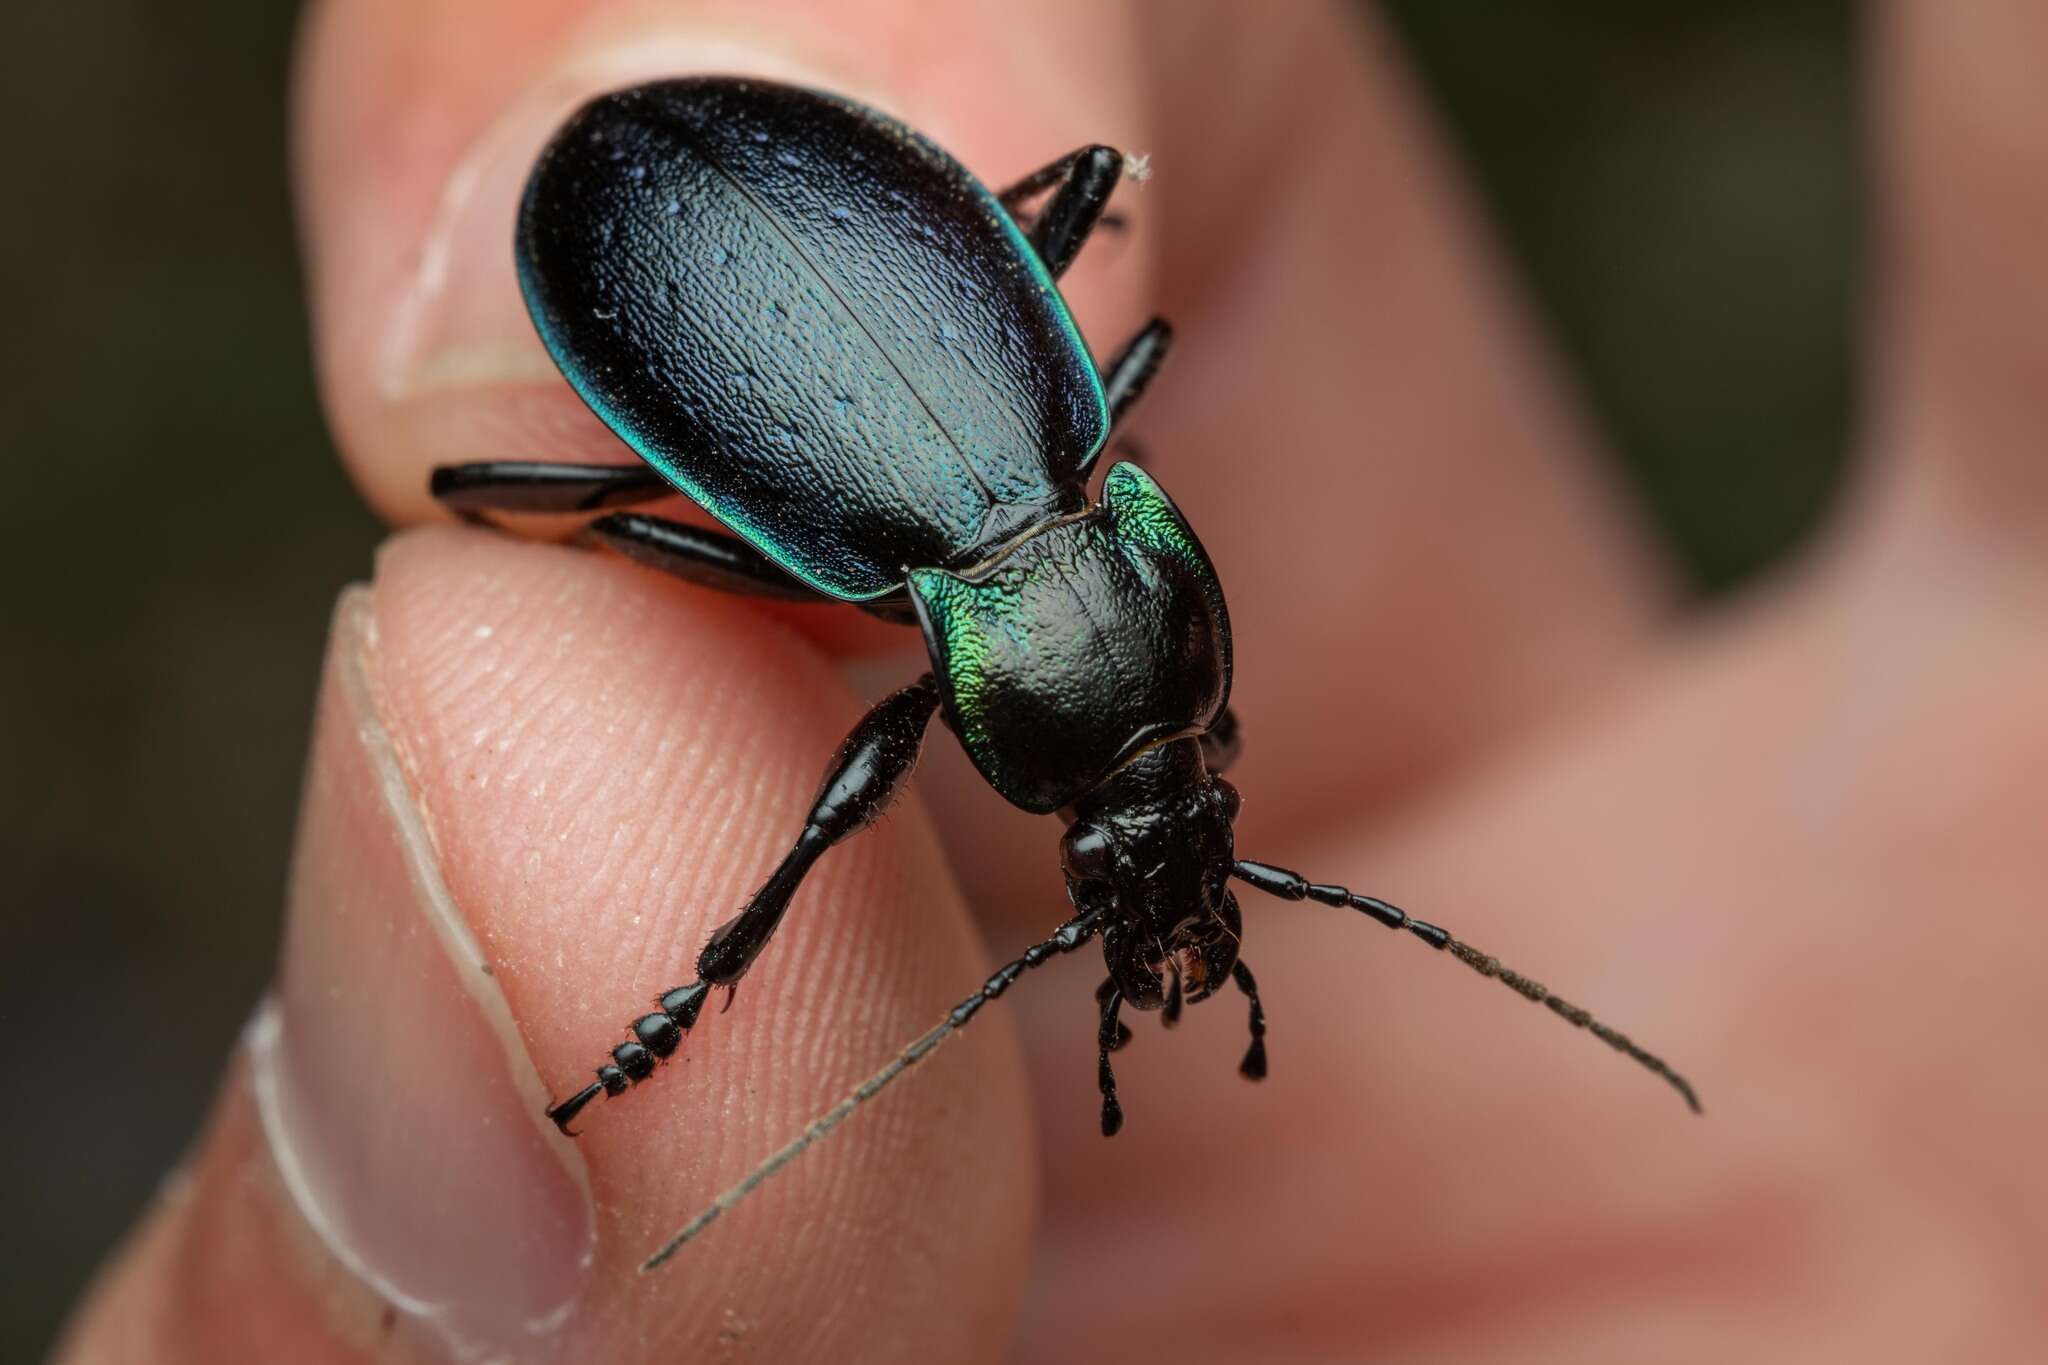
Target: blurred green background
[1678,182]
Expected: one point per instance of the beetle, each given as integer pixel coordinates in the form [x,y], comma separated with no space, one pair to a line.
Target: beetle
[820,327]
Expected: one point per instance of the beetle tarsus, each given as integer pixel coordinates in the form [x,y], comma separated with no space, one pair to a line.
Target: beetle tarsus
[565,1113]
[1253,1067]
[655,1038]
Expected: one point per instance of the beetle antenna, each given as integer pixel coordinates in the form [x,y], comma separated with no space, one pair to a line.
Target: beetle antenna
[1065,939]
[1278,881]
[815,1131]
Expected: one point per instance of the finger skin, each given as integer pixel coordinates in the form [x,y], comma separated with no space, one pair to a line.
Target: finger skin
[608,765]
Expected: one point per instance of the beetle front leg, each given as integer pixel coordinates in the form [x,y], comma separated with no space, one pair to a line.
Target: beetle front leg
[1108,1038]
[1102,994]
[868,771]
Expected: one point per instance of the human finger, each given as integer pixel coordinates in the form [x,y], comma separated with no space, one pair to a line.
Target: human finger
[539,780]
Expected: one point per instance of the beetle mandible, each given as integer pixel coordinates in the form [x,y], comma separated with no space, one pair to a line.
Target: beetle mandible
[818,325]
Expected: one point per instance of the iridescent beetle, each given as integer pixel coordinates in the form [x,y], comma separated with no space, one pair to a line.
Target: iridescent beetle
[817,325]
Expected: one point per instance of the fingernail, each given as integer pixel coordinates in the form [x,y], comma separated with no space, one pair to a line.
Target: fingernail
[461,321]
[398,1099]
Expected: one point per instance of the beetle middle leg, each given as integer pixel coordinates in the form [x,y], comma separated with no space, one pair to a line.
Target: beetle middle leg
[1124,381]
[709,559]
[1086,178]
[1126,376]
[864,777]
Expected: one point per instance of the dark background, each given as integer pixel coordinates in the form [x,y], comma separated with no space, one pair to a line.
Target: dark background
[1678,182]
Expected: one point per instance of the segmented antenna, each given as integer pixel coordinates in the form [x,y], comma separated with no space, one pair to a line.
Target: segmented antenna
[1487,965]
[1278,881]
[1065,939]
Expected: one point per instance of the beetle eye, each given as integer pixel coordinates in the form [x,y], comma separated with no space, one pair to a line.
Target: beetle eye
[1087,854]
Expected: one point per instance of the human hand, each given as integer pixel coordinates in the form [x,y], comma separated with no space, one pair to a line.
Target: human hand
[1795,848]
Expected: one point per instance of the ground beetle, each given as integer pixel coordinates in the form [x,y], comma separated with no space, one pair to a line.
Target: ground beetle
[817,325]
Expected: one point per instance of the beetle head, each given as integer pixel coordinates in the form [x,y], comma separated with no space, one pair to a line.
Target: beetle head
[1151,850]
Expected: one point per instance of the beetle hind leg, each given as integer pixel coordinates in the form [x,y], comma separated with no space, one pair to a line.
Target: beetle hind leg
[1085,179]
[532,486]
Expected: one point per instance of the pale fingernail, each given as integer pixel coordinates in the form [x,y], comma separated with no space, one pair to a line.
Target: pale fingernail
[461,321]
[398,1098]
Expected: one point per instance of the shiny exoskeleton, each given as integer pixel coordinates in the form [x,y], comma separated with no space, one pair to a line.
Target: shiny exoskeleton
[821,328]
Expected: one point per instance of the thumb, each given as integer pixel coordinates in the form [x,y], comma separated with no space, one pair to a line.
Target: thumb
[538,779]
